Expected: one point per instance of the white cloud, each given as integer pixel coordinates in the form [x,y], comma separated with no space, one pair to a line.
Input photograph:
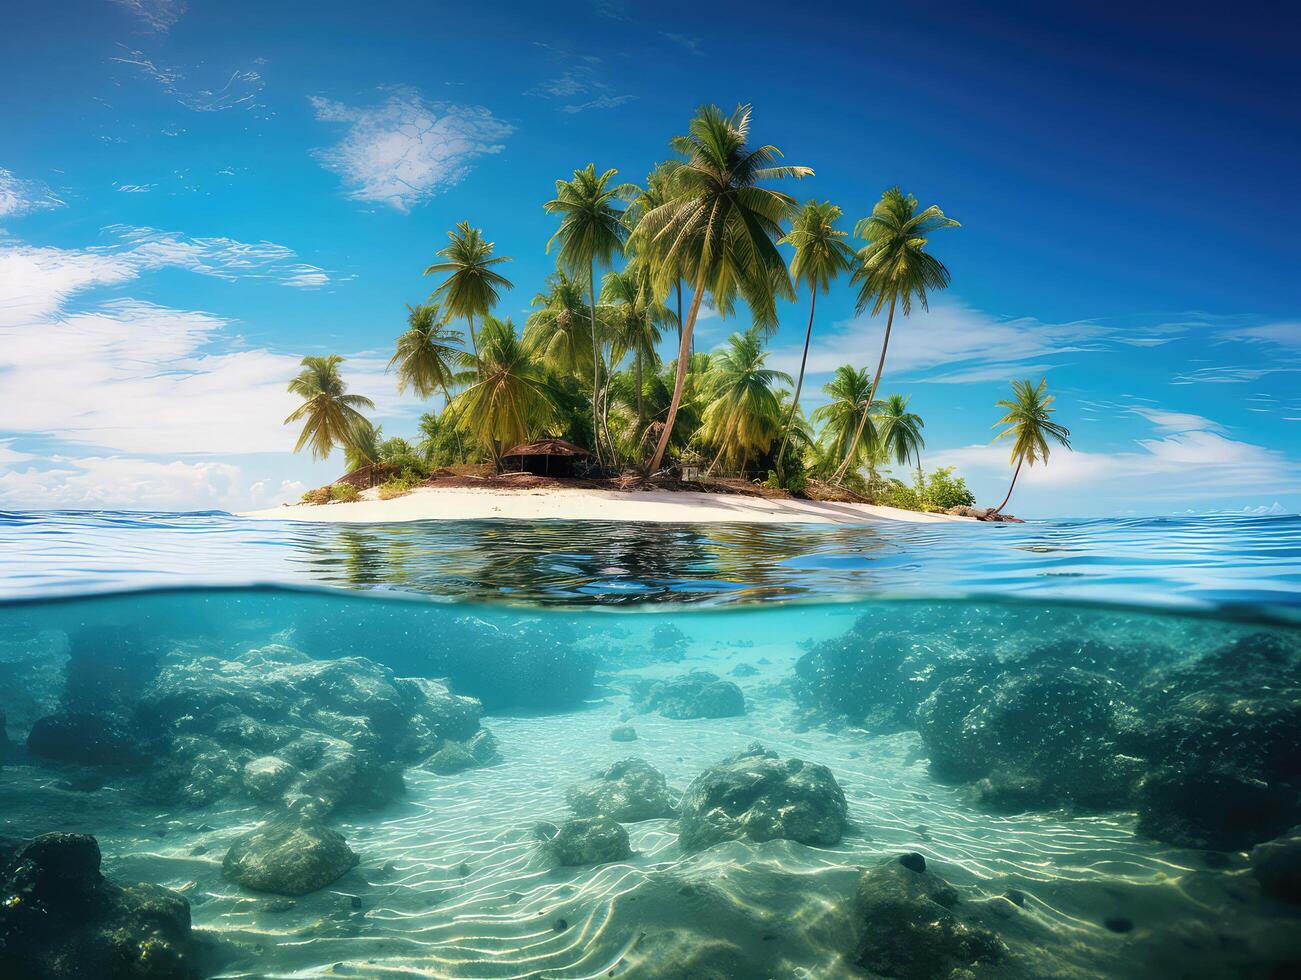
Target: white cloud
[600,102]
[949,333]
[19,197]
[237,89]
[134,188]
[116,481]
[135,377]
[1189,458]
[405,150]
[223,258]
[159,15]
[1284,334]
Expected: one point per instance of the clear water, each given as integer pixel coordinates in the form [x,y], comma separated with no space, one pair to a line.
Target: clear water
[1109,661]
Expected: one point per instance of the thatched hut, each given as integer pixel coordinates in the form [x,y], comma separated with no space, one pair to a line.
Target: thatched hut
[546,457]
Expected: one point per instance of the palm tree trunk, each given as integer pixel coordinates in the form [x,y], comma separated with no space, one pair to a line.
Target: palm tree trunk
[799,385]
[460,446]
[871,396]
[596,365]
[641,407]
[1015,474]
[678,286]
[680,380]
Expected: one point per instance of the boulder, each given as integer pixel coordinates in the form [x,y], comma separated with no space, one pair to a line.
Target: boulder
[699,694]
[744,670]
[291,855]
[1211,809]
[452,758]
[1277,866]
[874,679]
[1043,737]
[587,840]
[61,918]
[86,739]
[623,733]
[757,796]
[910,926]
[342,730]
[628,791]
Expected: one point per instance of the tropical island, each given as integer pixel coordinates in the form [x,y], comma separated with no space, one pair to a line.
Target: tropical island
[579,410]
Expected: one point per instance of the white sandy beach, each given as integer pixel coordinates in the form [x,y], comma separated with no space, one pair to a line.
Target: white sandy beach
[573,504]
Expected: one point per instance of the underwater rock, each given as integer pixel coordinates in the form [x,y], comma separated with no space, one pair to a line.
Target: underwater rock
[292,855]
[1216,809]
[1277,866]
[483,746]
[623,733]
[452,758]
[588,840]
[876,680]
[61,918]
[909,926]
[699,694]
[1035,738]
[757,796]
[628,791]
[743,670]
[85,739]
[283,728]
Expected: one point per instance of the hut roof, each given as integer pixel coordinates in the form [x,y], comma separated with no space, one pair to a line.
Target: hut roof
[547,447]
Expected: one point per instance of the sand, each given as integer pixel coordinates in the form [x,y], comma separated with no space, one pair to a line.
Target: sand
[566,504]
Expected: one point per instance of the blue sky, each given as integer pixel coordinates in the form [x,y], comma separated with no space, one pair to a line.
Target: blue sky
[195,194]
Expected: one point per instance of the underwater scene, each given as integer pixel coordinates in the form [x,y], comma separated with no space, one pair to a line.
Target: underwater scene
[535,777]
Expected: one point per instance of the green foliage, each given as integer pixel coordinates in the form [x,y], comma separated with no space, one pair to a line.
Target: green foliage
[1029,422]
[894,264]
[471,287]
[321,495]
[512,400]
[744,415]
[396,488]
[344,493]
[944,490]
[899,431]
[426,355]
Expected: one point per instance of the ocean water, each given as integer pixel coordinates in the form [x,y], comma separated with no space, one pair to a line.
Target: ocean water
[1069,749]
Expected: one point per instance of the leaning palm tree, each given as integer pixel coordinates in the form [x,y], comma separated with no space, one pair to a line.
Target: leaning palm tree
[363,448]
[846,420]
[820,256]
[899,431]
[559,331]
[894,266]
[635,318]
[471,287]
[1030,425]
[331,414]
[427,354]
[658,191]
[591,233]
[511,401]
[718,230]
[744,413]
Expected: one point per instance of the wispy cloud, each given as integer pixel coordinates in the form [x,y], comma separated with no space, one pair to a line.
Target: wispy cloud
[600,102]
[135,188]
[19,197]
[238,89]
[158,15]
[407,149]
[220,257]
[687,41]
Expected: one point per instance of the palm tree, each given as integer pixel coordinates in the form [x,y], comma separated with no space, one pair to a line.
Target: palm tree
[511,401]
[1030,425]
[635,317]
[331,413]
[718,229]
[899,431]
[744,413]
[363,448]
[471,286]
[426,354]
[820,256]
[658,191]
[846,420]
[559,331]
[591,232]
[895,267]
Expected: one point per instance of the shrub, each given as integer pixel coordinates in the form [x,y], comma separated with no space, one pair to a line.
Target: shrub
[344,493]
[321,495]
[895,493]
[395,488]
[944,490]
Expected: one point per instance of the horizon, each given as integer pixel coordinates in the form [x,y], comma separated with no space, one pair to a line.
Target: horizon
[199,196]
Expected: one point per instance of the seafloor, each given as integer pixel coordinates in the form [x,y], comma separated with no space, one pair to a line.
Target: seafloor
[460,873]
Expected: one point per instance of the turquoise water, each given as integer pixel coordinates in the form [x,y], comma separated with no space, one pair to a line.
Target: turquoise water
[1059,750]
